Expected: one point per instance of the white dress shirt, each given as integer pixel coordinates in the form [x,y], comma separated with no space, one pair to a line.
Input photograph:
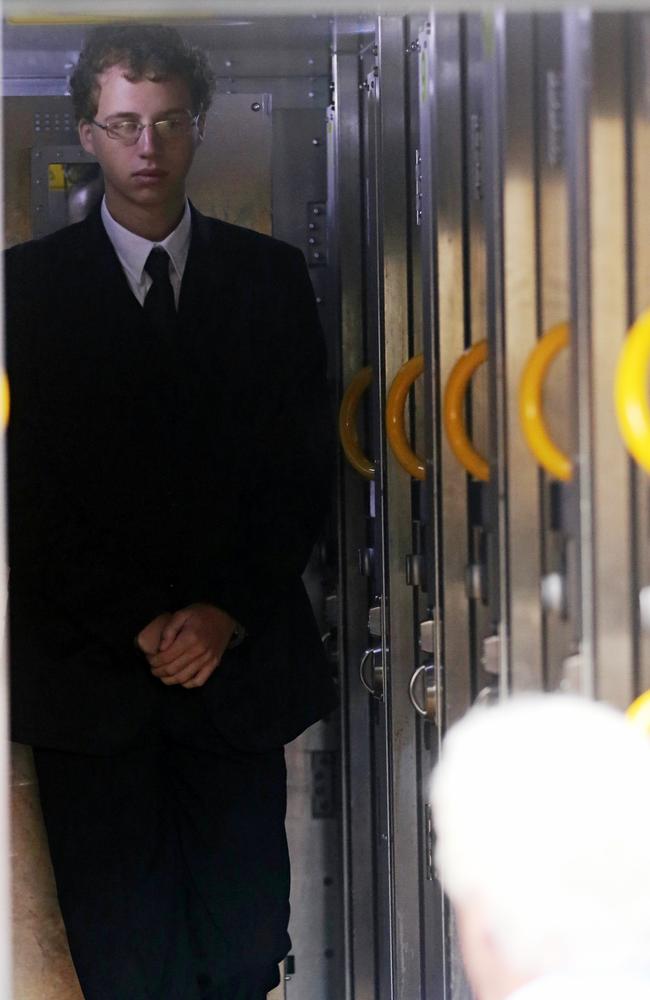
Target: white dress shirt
[133,250]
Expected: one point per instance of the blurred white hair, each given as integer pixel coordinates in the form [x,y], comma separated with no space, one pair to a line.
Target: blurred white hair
[542,815]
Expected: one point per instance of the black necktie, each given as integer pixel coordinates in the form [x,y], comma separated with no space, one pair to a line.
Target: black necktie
[159,304]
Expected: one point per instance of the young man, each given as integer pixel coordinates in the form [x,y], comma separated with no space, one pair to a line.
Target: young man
[169,452]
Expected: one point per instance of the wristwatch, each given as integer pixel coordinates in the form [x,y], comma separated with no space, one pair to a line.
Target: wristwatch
[237,637]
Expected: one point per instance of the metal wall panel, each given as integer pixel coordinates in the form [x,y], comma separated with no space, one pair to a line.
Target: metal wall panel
[522,537]
[596,134]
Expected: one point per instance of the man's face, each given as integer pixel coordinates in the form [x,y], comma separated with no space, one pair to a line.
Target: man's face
[150,174]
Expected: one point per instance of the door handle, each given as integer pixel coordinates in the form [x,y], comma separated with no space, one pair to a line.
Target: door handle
[5,397]
[430,709]
[396,419]
[531,413]
[348,423]
[639,712]
[453,416]
[376,689]
[631,391]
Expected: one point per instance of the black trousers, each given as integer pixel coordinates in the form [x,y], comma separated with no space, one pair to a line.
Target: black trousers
[171,862]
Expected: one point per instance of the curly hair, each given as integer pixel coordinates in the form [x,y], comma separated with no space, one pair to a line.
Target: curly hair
[147,51]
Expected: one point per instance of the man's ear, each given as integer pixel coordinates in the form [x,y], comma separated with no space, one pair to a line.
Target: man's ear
[86,137]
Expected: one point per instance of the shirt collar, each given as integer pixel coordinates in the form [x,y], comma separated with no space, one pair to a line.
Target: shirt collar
[133,250]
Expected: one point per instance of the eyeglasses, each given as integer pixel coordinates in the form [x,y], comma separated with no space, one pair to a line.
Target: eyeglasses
[171,129]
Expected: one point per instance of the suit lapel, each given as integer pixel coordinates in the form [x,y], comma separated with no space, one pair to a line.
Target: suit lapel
[207,291]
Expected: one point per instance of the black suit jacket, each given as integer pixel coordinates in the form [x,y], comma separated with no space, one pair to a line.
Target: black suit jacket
[145,476]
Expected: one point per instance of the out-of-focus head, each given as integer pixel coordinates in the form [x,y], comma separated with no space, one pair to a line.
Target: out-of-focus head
[148,52]
[542,815]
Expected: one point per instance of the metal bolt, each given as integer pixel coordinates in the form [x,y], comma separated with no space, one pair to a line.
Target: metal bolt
[315,142]
[256,106]
[644,608]
[311,94]
[553,592]
[319,301]
[228,63]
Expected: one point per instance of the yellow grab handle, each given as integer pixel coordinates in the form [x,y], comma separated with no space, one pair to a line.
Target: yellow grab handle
[348,423]
[531,413]
[631,391]
[5,399]
[453,416]
[639,712]
[396,421]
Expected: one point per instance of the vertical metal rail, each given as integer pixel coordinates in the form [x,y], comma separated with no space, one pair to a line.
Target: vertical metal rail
[441,170]
[346,240]
[494,25]
[638,63]
[483,605]
[577,63]
[554,308]
[381,852]
[394,335]
[5,900]
[426,212]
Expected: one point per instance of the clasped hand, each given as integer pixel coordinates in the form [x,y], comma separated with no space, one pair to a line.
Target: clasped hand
[185,647]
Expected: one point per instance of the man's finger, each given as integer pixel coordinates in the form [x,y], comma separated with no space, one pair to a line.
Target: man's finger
[179,664]
[199,679]
[172,629]
[184,646]
[191,671]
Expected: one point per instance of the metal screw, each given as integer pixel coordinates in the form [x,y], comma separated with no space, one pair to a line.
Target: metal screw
[315,142]
[228,63]
[311,94]
[255,106]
